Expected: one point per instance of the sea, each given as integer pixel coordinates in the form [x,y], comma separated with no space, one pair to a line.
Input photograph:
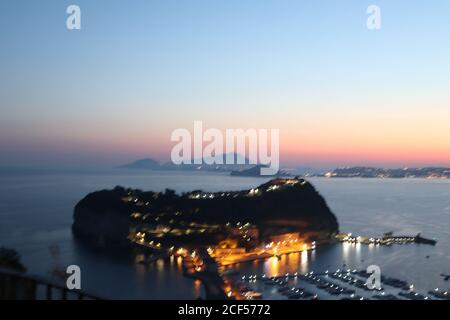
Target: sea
[36,213]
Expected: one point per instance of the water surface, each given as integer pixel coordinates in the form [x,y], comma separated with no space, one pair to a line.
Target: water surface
[36,214]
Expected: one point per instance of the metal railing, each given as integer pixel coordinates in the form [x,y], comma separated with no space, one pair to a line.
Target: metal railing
[18,286]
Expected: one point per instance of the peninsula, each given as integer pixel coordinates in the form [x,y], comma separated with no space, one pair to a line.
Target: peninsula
[279,212]
[369,172]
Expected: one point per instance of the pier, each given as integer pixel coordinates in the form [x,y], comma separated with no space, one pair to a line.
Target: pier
[386,240]
[201,266]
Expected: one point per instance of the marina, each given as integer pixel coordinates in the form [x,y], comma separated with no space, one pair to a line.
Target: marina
[330,285]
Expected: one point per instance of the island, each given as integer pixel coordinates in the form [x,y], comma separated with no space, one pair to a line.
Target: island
[278,216]
[142,164]
[255,171]
[208,164]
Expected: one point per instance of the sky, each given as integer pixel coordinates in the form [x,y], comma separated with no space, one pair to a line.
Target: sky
[113,92]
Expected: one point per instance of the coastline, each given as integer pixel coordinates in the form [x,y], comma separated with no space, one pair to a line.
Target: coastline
[399,205]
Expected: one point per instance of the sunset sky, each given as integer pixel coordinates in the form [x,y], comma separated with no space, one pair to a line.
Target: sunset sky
[114,91]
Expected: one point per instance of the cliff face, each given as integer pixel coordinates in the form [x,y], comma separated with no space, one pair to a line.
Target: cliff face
[281,205]
[102,219]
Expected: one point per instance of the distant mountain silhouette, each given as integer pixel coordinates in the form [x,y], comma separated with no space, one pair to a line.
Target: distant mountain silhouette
[142,164]
[239,162]
[237,158]
[252,172]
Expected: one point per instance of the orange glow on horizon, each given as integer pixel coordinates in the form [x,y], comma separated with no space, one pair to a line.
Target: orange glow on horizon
[415,140]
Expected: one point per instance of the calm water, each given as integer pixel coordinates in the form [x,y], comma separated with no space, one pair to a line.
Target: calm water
[36,214]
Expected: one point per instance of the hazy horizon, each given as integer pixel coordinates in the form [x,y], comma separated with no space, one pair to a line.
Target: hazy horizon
[113,92]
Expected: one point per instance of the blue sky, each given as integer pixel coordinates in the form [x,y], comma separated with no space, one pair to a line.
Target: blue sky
[114,90]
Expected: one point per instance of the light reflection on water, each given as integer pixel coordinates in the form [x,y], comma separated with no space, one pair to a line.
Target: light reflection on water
[352,251]
[39,214]
[272,266]
[160,264]
[289,263]
[197,288]
[179,263]
[304,263]
[395,261]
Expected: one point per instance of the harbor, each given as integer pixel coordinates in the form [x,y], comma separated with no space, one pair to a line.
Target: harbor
[289,275]
[330,285]
[338,271]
